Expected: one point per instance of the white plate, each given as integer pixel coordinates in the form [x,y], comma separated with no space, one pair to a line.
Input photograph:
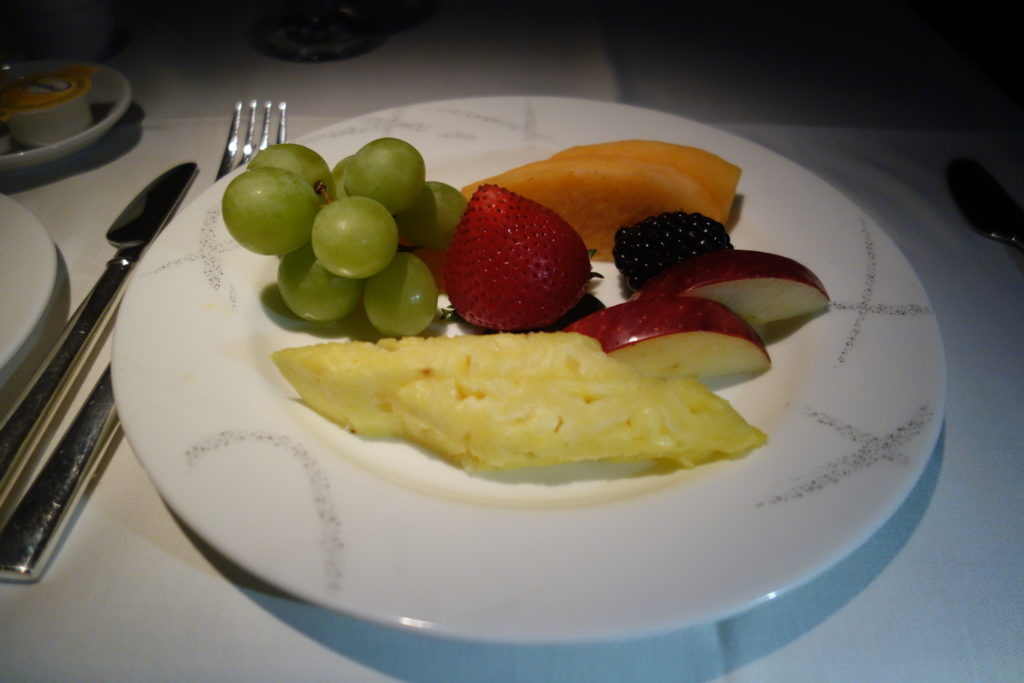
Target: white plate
[28,273]
[110,90]
[382,531]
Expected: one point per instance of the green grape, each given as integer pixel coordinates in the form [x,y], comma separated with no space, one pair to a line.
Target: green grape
[389,170]
[354,237]
[311,292]
[338,173]
[269,210]
[401,300]
[433,217]
[300,160]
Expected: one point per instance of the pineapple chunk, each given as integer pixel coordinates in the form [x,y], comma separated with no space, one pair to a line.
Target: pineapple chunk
[504,401]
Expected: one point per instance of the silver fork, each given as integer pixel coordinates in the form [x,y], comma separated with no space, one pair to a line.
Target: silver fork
[42,520]
[250,145]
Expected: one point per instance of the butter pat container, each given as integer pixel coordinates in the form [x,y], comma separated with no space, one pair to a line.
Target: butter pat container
[44,108]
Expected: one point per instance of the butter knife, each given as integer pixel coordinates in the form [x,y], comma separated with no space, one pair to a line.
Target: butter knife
[133,230]
[989,209]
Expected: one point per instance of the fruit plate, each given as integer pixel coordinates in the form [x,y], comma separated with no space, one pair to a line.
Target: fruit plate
[383,531]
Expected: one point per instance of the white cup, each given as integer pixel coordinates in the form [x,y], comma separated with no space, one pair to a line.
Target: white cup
[47,107]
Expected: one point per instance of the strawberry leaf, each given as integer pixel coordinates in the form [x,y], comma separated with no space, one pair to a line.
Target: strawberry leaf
[448,313]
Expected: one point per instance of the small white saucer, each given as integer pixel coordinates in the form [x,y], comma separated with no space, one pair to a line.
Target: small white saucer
[109,88]
[28,273]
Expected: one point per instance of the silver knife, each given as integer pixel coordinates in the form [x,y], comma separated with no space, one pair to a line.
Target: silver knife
[984,203]
[31,534]
[133,230]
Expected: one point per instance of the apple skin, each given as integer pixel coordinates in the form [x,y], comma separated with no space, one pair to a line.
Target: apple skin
[677,336]
[758,286]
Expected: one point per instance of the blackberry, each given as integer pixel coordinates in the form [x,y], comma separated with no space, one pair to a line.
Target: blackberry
[644,249]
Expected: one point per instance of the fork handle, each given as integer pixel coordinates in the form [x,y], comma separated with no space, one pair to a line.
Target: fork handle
[36,525]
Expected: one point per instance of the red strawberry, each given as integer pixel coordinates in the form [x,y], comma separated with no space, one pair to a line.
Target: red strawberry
[514,264]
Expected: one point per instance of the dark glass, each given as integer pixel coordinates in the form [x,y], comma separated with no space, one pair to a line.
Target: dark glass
[319,30]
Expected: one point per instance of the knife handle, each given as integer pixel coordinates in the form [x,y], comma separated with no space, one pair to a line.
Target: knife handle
[23,428]
[36,525]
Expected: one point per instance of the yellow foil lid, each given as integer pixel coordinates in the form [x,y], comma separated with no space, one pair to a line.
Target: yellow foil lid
[45,90]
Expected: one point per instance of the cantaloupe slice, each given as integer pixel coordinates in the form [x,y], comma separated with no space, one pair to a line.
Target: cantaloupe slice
[599,194]
[718,176]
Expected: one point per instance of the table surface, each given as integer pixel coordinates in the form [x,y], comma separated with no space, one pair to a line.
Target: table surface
[875,101]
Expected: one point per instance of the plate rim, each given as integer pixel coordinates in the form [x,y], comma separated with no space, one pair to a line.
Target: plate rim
[41,297]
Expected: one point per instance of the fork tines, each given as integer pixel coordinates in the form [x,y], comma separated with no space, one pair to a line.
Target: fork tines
[250,145]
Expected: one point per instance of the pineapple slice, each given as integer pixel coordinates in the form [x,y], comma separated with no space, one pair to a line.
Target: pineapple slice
[505,401]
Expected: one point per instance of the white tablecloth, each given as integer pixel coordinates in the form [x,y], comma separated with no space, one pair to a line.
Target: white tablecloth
[874,101]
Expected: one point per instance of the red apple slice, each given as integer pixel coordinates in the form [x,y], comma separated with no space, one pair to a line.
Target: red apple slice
[676,336]
[758,286]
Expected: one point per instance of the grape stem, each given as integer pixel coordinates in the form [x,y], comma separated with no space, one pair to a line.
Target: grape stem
[320,187]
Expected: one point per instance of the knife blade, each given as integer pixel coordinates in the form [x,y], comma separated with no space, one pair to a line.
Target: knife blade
[986,205]
[133,230]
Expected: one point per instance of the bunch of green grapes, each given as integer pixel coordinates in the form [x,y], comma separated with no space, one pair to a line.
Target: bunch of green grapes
[337,230]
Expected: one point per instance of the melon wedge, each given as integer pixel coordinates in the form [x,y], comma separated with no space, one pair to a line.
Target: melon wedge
[718,176]
[599,194]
